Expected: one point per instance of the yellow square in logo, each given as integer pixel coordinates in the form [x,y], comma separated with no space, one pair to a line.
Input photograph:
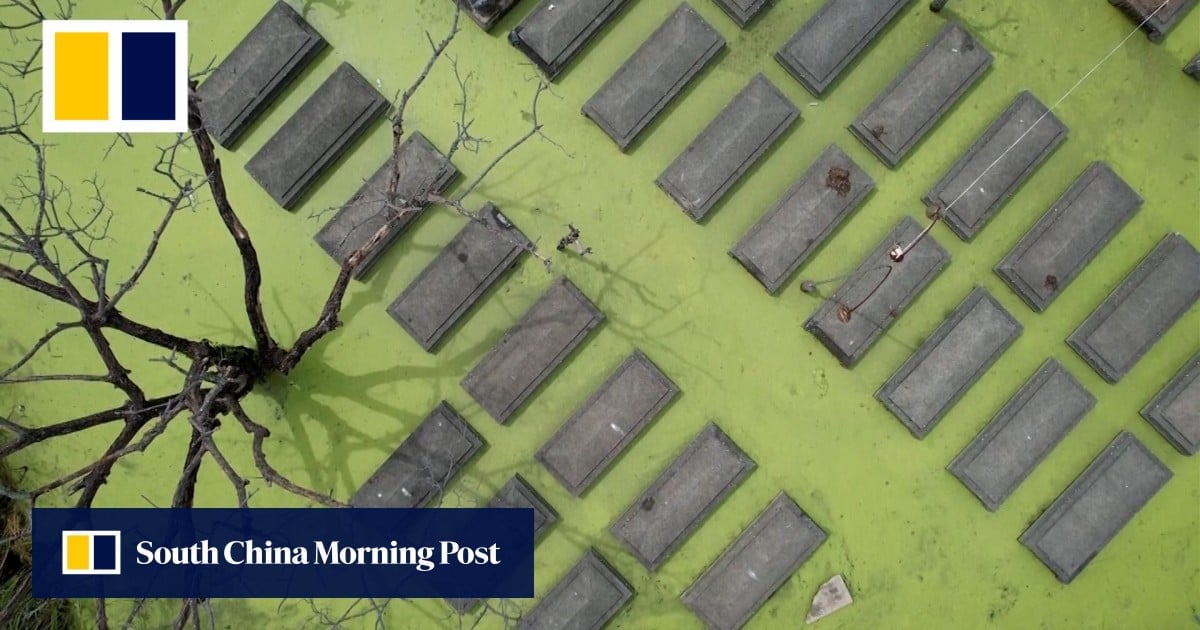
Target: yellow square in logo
[78,552]
[81,76]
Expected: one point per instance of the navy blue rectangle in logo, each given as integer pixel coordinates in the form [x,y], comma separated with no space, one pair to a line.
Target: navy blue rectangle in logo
[318,552]
[148,76]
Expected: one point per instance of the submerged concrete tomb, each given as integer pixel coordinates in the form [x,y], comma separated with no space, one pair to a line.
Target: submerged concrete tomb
[833,38]
[607,423]
[1175,411]
[267,59]
[316,135]
[949,362]
[587,598]
[417,472]
[486,13]
[728,147]
[751,569]
[1069,235]
[1165,284]
[1096,506]
[921,94]
[1022,434]
[743,11]
[532,349]
[422,170]
[1155,17]
[555,32]
[877,293]
[517,493]
[654,75]
[800,221]
[970,193]
[682,496]
[478,256]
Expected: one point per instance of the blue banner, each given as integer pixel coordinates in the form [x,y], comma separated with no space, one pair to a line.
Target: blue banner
[251,552]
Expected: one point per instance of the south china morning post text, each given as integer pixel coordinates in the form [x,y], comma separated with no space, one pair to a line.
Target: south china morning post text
[251,552]
[240,552]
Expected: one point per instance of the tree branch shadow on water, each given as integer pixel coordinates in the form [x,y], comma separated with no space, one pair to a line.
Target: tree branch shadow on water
[615,281]
[338,7]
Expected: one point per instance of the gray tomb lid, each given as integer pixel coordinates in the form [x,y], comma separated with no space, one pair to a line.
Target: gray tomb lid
[607,422]
[586,598]
[478,256]
[1069,235]
[800,221]
[682,497]
[1156,17]
[728,147]
[486,13]
[877,293]
[316,135]
[414,475]
[1164,285]
[1022,434]
[742,11]
[755,566]
[1096,506]
[422,169]
[653,75]
[555,32]
[1175,411]
[996,165]
[263,63]
[833,38]
[949,362]
[532,349]
[921,94]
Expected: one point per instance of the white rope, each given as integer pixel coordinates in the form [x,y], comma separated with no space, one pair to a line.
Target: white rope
[1089,73]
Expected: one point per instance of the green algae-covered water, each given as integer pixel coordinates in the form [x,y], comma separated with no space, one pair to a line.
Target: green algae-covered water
[917,549]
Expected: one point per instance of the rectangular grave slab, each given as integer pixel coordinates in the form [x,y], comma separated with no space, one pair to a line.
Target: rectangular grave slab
[587,598]
[316,135]
[532,349]
[921,94]
[877,293]
[1152,298]
[1175,411]
[762,559]
[833,38]
[949,362]
[800,221]
[422,168]
[417,472]
[986,190]
[607,423]
[1192,69]
[682,497]
[1069,235]
[517,493]
[654,75]
[556,31]
[458,276]
[486,12]
[728,147]
[1157,26]
[742,11]
[267,59]
[1022,434]
[1094,508]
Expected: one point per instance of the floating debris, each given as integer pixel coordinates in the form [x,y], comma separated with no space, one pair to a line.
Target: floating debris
[833,596]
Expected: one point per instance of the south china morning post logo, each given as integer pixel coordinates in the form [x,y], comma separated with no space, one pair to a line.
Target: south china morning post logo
[283,552]
[114,76]
[91,552]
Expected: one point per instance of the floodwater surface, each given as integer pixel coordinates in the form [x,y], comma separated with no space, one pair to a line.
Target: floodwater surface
[917,549]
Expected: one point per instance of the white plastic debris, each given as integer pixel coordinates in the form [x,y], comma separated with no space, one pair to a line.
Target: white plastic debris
[833,596]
